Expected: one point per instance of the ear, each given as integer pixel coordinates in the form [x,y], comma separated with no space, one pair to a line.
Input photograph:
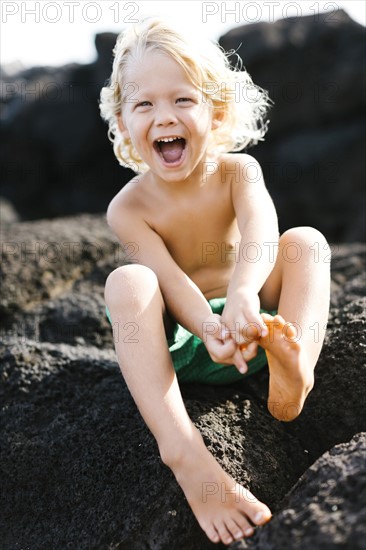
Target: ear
[217,119]
[122,128]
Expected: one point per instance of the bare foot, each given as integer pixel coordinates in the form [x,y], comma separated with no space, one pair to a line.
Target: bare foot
[290,378]
[224,509]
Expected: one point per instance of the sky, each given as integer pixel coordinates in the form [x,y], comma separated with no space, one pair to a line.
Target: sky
[46,32]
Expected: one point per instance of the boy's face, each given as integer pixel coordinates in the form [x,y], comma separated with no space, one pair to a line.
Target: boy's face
[165,116]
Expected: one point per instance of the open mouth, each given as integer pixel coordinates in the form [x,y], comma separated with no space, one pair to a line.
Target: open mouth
[170,149]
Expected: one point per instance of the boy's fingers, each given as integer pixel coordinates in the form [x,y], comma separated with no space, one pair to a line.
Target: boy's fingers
[245,331]
[227,349]
[253,347]
[228,353]
[223,351]
[239,362]
[254,330]
[249,351]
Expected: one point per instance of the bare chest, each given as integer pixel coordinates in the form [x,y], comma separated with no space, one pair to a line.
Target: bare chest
[200,234]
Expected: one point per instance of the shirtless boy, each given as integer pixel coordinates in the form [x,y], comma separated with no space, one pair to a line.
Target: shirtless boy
[205,228]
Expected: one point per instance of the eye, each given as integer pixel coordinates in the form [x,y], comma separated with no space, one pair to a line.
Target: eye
[143,104]
[183,99]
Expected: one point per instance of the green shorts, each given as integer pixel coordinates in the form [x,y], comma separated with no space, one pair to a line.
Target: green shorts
[192,362]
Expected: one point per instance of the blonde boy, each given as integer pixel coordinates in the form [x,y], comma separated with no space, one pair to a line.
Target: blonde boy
[209,256]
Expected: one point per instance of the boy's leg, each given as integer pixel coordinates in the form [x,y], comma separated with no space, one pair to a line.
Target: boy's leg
[300,285]
[226,510]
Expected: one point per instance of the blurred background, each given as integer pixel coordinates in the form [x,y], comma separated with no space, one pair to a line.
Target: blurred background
[56,159]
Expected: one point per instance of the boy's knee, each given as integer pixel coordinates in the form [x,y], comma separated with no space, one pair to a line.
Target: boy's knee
[303,236]
[129,281]
[305,243]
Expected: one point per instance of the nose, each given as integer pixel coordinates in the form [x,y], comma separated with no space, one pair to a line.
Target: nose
[165,116]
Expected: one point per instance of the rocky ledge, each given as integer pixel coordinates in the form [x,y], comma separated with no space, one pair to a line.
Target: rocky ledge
[79,468]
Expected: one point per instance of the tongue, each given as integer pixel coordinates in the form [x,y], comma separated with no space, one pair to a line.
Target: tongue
[172,150]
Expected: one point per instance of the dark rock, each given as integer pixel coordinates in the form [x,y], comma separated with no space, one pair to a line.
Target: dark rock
[79,468]
[312,158]
[278,53]
[56,158]
[42,260]
[325,509]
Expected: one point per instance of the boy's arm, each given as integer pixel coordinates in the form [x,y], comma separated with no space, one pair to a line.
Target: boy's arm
[257,221]
[183,299]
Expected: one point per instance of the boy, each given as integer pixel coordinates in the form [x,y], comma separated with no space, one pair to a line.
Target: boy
[208,256]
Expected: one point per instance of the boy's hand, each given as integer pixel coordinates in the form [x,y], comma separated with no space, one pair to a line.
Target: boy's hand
[242,321]
[220,348]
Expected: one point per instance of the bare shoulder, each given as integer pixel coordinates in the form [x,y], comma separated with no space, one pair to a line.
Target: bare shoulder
[248,190]
[241,158]
[244,175]
[127,197]
[244,168]
[130,203]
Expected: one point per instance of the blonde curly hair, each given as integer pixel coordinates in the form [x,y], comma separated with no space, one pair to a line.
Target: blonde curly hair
[231,91]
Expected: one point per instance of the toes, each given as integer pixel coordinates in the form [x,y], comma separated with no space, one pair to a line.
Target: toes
[267,318]
[261,515]
[290,331]
[243,524]
[238,531]
[278,321]
[225,536]
[257,512]
[252,331]
[272,323]
[212,534]
[277,326]
[234,529]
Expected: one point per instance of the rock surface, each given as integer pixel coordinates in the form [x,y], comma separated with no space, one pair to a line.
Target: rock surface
[79,468]
[326,508]
[56,158]
[311,157]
